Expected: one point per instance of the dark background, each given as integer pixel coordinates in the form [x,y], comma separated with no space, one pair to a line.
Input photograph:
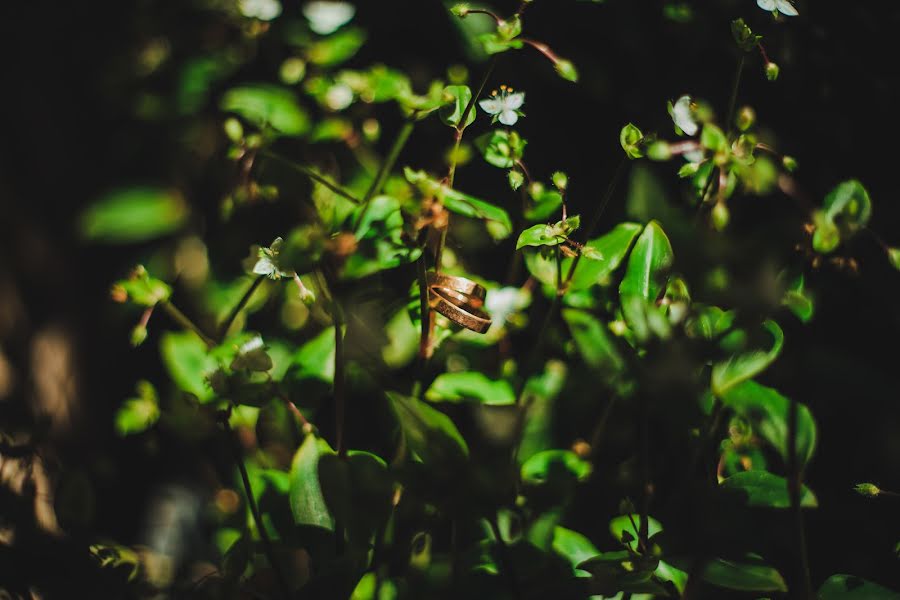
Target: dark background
[69,133]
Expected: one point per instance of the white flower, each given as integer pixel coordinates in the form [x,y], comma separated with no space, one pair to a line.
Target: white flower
[782,6]
[683,115]
[264,10]
[328,17]
[267,261]
[504,107]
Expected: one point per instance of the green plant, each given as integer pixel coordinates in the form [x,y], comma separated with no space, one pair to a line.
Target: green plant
[460,487]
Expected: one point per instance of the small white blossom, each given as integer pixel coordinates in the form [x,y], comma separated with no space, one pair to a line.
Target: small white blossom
[504,106]
[267,262]
[782,6]
[683,115]
[328,17]
[264,10]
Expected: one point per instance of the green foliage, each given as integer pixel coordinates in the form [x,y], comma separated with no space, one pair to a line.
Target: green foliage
[611,368]
[134,214]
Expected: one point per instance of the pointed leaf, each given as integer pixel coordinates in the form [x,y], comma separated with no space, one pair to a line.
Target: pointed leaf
[767,412]
[470,385]
[764,490]
[431,434]
[307,500]
[744,365]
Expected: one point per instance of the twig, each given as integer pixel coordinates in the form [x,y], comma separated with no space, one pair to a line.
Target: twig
[226,324]
[180,318]
[317,177]
[254,511]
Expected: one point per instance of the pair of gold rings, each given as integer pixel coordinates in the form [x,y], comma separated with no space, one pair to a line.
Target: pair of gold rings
[460,300]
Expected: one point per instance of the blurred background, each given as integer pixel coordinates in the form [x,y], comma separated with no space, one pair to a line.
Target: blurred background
[116,93]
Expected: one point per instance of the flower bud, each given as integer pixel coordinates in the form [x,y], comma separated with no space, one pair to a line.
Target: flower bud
[869,490]
[720,216]
[745,118]
[772,71]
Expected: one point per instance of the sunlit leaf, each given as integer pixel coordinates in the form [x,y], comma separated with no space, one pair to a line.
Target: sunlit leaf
[188,362]
[134,214]
[470,385]
[308,504]
[767,411]
[267,106]
[746,364]
[550,466]
[138,414]
[648,266]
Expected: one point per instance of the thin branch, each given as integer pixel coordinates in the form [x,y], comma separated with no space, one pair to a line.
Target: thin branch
[254,511]
[794,482]
[180,318]
[312,174]
[229,320]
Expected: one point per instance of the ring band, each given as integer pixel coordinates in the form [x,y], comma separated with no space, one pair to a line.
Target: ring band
[457,284]
[464,314]
[458,297]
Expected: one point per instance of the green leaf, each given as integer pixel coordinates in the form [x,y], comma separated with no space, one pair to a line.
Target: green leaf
[648,265]
[498,223]
[612,248]
[744,365]
[630,137]
[458,97]
[798,300]
[573,546]
[267,106]
[623,529]
[336,48]
[548,235]
[315,358]
[850,587]
[713,138]
[470,385]
[649,262]
[308,505]
[593,341]
[767,412]
[539,396]
[430,434]
[846,209]
[744,36]
[749,576]
[551,466]
[501,148]
[369,586]
[134,214]
[765,490]
[188,362]
[138,414]
[894,257]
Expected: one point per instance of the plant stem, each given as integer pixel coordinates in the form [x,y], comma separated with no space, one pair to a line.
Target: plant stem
[254,511]
[180,318]
[312,174]
[505,563]
[423,307]
[595,219]
[794,483]
[732,102]
[226,324]
[386,167]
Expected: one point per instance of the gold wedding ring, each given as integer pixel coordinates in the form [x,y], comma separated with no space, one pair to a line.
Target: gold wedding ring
[460,312]
[458,288]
